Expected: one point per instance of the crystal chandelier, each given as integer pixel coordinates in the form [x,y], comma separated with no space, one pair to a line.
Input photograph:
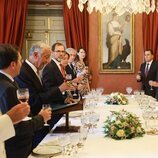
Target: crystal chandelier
[117,6]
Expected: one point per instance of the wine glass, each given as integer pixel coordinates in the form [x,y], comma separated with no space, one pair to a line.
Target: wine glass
[68,77]
[23,97]
[150,83]
[46,106]
[129,90]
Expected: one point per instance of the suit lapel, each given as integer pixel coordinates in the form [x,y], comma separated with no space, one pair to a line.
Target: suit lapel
[32,74]
[58,72]
[2,76]
[151,68]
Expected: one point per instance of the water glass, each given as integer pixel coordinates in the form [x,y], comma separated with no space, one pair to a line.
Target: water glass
[64,142]
[83,132]
[46,106]
[129,90]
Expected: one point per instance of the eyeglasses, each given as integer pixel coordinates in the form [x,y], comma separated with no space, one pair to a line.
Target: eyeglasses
[59,51]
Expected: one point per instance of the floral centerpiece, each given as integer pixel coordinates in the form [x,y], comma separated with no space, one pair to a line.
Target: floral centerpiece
[117,98]
[123,125]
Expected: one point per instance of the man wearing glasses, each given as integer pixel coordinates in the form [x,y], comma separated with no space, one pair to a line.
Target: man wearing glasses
[52,73]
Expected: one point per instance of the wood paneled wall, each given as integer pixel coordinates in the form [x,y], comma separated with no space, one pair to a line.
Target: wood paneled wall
[113,82]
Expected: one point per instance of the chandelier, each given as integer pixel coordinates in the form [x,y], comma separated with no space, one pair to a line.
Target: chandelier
[117,6]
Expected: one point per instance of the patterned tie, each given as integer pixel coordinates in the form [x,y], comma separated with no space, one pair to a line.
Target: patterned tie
[146,69]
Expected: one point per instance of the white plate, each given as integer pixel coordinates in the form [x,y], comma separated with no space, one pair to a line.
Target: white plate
[47,150]
[53,142]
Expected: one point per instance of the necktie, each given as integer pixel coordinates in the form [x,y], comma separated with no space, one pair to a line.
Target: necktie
[62,70]
[146,69]
[38,75]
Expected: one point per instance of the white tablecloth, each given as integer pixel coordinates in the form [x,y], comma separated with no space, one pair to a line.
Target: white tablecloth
[98,146]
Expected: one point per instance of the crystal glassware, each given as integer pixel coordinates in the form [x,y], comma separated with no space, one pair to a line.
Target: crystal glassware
[23,97]
[46,106]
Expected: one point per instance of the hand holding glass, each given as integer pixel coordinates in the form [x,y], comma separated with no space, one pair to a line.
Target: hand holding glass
[23,97]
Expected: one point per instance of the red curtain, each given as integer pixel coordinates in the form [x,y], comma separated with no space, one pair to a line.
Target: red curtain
[76,26]
[150,32]
[12,21]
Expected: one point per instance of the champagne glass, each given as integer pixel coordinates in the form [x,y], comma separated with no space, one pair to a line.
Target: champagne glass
[46,106]
[74,92]
[23,97]
[129,90]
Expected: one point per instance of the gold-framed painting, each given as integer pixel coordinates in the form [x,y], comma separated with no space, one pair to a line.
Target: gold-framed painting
[116,43]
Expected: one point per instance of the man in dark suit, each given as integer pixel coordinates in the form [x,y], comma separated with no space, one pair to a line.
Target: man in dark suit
[148,71]
[20,145]
[52,73]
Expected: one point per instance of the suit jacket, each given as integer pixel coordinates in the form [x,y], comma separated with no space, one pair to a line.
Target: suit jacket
[20,144]
[151,76]
[52,76]
[7,131]
[70,70]
[38,94]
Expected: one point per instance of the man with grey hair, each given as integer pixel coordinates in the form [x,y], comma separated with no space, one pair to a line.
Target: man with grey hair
[39,56]
[70,67]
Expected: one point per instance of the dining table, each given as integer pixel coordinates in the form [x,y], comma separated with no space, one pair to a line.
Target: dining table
[98,145]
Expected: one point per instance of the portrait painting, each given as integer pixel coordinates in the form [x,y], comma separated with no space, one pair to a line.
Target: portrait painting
[116,43]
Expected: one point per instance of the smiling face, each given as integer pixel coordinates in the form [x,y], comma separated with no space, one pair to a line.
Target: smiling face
[82,54]
[65,60]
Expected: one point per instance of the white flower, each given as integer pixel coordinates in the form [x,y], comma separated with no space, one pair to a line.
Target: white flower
[120,133]
[118,122]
